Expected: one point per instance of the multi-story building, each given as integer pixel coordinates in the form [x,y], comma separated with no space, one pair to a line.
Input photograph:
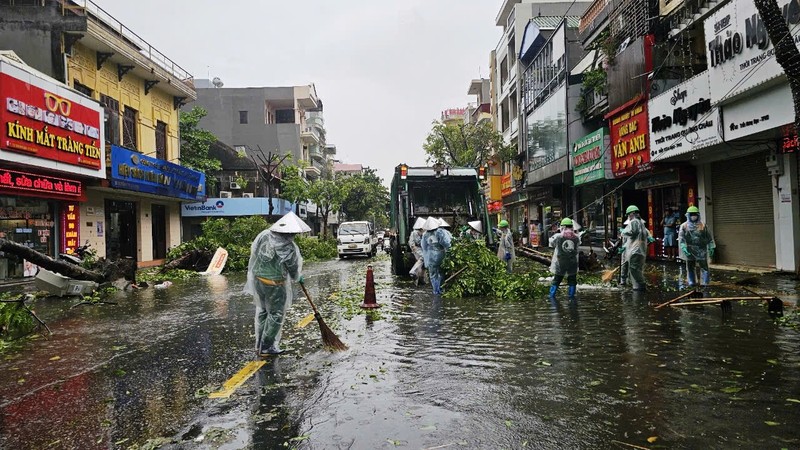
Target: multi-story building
[281,120]
[130,208]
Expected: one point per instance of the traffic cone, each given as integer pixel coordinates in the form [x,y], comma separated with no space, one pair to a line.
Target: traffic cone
[369,291]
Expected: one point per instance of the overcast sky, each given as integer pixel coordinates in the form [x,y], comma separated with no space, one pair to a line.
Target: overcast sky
[385,69]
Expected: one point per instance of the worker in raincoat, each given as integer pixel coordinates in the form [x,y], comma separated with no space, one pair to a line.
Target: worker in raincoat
[473,231]
[435,243]
[565,258]
[415,244]
[275,261]
[445,227]
[636,237]
[697,246]
[505,251]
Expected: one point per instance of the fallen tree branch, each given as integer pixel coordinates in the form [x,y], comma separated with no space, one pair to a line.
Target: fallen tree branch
[46,262]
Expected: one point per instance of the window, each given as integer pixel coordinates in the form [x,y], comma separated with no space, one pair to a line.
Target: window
[129,128]
[111,113]
[242,117]
[284,116]
[161,140]
[83,89]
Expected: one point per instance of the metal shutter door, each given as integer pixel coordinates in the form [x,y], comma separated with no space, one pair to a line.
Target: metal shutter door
[743,227]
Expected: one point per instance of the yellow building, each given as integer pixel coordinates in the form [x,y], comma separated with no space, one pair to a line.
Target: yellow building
[135,211]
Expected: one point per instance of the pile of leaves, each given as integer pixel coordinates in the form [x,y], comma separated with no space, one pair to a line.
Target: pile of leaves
[316,249]
[15,320]
[485,275]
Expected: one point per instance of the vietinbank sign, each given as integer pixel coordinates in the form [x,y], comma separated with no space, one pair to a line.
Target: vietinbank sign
[227,207]
[740,54]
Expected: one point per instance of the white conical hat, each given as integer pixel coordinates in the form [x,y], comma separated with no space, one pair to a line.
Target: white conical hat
[290,223]
[476,225]
[419,223]
[443,223]
[431,223]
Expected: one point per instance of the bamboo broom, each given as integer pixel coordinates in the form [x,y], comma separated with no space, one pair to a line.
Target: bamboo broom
[329,338]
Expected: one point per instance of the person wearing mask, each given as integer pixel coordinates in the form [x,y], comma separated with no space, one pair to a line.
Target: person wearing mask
[275,261]
[505,251]
[670,224]
[435,243]
[473,231]
[636,237]
[415,244]
[697,246]
[565,245]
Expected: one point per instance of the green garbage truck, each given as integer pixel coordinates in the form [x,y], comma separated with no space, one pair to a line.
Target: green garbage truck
[453,194]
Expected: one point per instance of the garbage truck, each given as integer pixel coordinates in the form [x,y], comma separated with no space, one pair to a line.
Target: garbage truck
[453,194]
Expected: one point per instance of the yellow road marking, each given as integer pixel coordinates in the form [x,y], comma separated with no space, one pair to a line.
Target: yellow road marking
[306,320]
[237,380]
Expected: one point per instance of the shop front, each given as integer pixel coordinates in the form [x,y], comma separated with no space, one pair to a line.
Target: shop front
[50,147]
[591,165]
[194,214]
[138,214]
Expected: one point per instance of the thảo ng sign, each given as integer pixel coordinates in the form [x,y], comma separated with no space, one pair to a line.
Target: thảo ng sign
[588,155]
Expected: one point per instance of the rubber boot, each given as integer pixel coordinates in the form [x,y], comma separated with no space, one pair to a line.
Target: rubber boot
[706,276]
[553,290]
[571,291]
[691,277]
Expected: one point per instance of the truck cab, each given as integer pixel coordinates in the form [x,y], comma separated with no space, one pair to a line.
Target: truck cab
[356,238]
[452,194]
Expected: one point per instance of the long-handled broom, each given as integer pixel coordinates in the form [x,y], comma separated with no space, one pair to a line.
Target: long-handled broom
[329,338]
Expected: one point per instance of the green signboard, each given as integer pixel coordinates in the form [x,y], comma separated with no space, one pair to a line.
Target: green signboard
[588,156]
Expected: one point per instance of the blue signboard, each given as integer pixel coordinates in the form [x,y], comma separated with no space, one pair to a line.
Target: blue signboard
[220,207]
[136,172]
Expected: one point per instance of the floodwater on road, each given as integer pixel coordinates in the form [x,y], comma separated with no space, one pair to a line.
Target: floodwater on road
[601,372]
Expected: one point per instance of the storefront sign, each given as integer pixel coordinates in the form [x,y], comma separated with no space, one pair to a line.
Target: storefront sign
[48,125]
[767,110]
[23,183]
[683,120]
[789,143]
[588,156]
[629,149]
[136,172]
[236,207]
[70,226]
[506,185]
[740,54]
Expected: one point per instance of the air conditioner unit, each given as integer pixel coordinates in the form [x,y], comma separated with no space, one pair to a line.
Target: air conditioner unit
[235,185]
[247,195]
[225,194]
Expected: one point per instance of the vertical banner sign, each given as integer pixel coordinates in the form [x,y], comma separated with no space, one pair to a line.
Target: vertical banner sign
[70,227]
[587,158]
[629,146]
[506,185]
[651,221]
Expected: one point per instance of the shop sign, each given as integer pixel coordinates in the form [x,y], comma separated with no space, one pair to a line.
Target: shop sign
[789,142]
[506,185]
[236,207]
[23,183]
[136,172]
[587,157]
[48,125]
[629,152]
[740,54]
[767,110]
[683,120]
[70,226]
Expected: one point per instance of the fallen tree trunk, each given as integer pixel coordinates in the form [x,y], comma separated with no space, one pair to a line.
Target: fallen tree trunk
[534,255]
[197,259]
[46,262]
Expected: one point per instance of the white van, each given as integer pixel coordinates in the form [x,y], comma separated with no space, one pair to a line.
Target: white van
[356,238]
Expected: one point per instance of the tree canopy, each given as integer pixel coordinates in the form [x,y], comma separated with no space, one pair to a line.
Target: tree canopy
[195,144]
[294,187]
[465,145]
[364,197]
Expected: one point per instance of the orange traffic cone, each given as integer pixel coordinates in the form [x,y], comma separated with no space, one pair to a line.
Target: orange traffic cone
[369,291]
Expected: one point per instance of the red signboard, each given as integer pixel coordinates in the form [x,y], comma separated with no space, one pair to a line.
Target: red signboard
[629,140]
[70,226]
[52,125]
[505,183]
[22,183]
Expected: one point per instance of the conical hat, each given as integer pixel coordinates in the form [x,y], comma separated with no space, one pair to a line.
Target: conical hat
[443,223]
[431,223]
[419,223]
[476,225]
[290,223]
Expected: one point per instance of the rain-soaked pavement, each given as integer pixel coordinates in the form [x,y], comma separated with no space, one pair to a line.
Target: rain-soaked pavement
[607,371]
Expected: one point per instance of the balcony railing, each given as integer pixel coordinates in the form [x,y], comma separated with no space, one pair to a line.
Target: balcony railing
[143,47]
[310,133]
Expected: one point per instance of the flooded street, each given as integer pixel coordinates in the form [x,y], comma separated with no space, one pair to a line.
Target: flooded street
[426,373]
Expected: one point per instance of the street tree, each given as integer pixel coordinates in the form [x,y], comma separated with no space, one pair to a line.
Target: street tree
[327,194]
[294,187]
[195,144]
[364,197]
[465,145]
